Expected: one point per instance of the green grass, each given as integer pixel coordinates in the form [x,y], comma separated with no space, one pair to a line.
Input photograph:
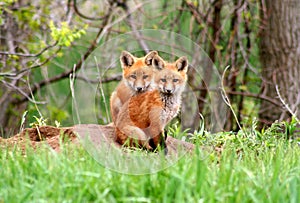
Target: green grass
[243,172]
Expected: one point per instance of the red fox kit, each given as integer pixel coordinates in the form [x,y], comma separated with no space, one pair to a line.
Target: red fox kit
[145,115]
[137,78]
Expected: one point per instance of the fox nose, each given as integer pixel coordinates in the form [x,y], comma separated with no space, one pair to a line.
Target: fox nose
[139,89]
[169,91]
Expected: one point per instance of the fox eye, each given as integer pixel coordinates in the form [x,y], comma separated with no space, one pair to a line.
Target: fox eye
[163,80]
[175,80]
[133,76]
[145,76]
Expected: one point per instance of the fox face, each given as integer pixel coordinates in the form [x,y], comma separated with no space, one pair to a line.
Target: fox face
[172,77]
[138,72]
[139,80]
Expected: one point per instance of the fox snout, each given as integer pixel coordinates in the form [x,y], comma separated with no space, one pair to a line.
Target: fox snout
[139,89]
[169,88]
[168,91]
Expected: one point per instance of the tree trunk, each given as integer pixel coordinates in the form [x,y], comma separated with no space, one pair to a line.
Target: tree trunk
[10,115]
[216,31]
[280,57]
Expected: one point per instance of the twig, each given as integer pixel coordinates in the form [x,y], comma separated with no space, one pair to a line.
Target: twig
[84,16]
[41,64]
[194,11]
[175,22]
[72,79]
[14,74]
[21,92]
[102,92]
[29,55]
[246,94]
[137,34]
[165,43]
[122,18]
[226,99]
[116,77]
[286,105]
[258,96]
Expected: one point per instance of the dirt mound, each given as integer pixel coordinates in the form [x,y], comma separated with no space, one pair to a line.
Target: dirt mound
[97,133]
[40,135]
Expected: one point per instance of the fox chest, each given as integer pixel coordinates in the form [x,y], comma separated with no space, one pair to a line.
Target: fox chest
[140,108]
[169,112]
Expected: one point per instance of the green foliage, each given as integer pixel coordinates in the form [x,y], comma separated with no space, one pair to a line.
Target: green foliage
[249,137]
[39,122]
[174,130]
[57,114]
[4,4]
[291,127]
[8,2]
[65,35]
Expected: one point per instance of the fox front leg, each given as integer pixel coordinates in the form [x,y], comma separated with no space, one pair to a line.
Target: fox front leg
[156,128]
[136,134]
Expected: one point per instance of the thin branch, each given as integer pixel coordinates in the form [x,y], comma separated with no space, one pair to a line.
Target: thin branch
[14,74]
[137,34]
[258,96]
[84,16]
[117,77]
[41,64]
[29,55]
[21,92]
[246,94]
[194,11]
[226,99]
[286,105]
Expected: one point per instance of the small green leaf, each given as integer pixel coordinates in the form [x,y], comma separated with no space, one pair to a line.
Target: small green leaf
[243,87]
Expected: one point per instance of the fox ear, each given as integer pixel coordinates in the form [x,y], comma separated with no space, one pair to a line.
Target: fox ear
[182,64]
[158,62]
[149,57]
[126,59]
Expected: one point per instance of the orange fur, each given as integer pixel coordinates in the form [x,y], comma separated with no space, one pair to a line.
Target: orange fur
[137,78]
[144,116]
